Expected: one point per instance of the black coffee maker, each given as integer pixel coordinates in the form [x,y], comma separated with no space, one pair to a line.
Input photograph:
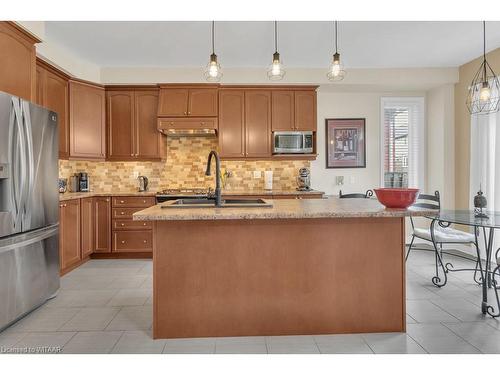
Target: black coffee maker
[83,180]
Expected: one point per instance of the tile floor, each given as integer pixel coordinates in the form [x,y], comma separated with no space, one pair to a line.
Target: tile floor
[105,306]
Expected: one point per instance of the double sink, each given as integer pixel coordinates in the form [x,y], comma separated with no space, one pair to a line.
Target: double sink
[210,202]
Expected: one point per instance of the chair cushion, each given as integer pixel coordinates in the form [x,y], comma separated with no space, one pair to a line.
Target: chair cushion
[445,235]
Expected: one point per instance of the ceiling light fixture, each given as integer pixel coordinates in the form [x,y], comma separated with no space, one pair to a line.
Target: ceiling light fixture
[213,71]
[276,71]
[484,91]
[336,71]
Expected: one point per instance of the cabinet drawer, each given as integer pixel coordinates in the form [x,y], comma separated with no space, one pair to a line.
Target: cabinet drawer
[124,213]
[134,202]
[131,224]
[187,123]
[132,241]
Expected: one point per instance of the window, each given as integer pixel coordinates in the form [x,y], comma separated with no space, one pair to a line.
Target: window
[402,142]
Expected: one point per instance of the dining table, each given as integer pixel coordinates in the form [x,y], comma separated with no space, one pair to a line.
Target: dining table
[487,270]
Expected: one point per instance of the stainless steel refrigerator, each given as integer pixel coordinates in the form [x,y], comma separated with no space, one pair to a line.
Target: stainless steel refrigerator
[29,209]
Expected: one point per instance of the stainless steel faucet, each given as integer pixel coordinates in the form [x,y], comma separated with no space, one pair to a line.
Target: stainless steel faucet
[218,194]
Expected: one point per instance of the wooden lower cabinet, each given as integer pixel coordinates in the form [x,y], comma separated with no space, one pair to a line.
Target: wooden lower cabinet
[87,226]
[131,236]
[102,224]
[69,234]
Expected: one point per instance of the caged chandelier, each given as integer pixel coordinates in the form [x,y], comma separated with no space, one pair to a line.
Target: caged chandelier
[484,91]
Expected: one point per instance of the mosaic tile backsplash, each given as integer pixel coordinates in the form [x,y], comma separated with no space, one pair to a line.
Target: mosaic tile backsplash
[184,167]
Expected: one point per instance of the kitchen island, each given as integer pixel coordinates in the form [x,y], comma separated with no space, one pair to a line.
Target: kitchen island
[301,267]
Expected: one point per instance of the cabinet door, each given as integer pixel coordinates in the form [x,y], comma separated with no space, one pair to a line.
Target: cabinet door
[258,123]
[69,251]
[102,224]
[173,102]
[56,98]
[17,62]
[283,110]
[87,121]
[305,110]
[120,123]
[232,123]
[148,138]
[202,102]
[87,226]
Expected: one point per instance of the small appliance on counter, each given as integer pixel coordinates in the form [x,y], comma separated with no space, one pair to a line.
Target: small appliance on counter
[83,182]
[74,183]
[143,183]
[63,184]
[304,180]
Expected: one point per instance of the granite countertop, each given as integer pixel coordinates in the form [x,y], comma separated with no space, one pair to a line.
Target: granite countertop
[331,207]
[270,192]
[69,195]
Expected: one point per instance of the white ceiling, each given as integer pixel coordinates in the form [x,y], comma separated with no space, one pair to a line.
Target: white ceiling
[250,44]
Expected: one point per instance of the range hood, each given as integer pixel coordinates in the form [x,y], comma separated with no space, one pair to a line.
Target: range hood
[188,132]
[184,127]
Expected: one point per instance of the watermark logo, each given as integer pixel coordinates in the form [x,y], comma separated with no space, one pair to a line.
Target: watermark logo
[30,350]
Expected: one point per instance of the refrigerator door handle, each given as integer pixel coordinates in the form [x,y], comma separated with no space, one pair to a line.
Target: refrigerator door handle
[18,163]
[28,238]
[30,163]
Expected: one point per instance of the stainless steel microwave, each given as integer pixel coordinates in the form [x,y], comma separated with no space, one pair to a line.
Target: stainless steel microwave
[293,142]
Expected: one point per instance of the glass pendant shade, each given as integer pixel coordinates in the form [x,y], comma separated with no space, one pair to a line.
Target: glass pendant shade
[276,71]
[336,71]
[213,71]
[484,91]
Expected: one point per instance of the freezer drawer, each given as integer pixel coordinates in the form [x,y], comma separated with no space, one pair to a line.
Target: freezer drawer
[29,272]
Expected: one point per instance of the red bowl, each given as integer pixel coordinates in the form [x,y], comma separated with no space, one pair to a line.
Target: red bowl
[396,198]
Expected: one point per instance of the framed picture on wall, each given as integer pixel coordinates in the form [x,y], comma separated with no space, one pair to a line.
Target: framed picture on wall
[345,143]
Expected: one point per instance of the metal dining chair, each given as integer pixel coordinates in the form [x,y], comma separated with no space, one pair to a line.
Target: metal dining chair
[368,194]
[441,235]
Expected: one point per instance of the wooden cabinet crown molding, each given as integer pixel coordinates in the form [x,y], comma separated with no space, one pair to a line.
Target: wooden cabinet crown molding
[189,85]
[32,38]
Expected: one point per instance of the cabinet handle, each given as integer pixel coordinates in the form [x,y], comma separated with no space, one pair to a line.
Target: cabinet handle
[185,113]
[144,224]
[122,201]
[107,199]
[122,224]
[64,205]
[145,241]
[202,123]
[131,154]
[123,241]
[122,213]
[171,123]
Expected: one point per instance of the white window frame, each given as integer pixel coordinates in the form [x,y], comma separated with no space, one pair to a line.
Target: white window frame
[420,133]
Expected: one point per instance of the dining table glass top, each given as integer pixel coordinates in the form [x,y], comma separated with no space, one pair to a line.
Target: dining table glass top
[467,217]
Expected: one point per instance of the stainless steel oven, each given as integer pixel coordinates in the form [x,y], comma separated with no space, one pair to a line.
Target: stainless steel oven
[293,142]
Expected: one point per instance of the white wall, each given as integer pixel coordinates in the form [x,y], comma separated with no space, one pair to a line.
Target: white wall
[441,143]
[351,105]
[60,57]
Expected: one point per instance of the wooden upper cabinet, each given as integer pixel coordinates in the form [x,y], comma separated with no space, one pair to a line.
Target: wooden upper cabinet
[148,139]
[232,123]
[173,102]
[53,93]
[202,103]
[305,110]
[283,110]
[17,61]
[188,101]
[132,125]
[87,121]
[257,123]
[120,121]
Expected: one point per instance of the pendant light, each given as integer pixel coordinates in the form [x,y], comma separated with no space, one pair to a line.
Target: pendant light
[276,71]
[213,71]
[484,91]
[336,71]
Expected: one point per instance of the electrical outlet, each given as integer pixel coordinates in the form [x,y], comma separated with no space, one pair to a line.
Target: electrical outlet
[256,174]
[339,180]
[135,174]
